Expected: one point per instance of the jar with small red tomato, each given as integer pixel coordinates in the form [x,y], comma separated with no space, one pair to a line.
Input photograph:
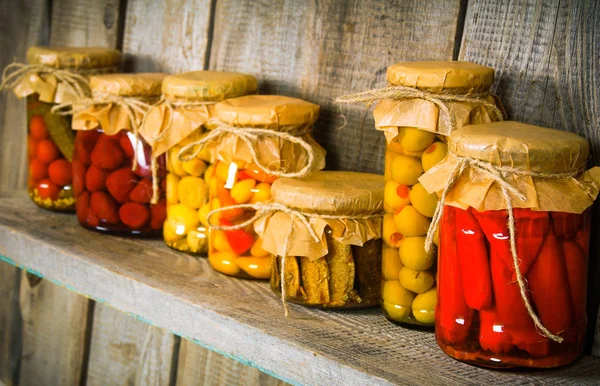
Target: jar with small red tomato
[118,185]
[252,140]
[178,120]
[514,245]
[55,75]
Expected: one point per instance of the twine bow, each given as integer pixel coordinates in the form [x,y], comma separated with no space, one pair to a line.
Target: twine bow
[14,73]
[134,107]
[399,93]
[264,209]
[250,137]
[497,174]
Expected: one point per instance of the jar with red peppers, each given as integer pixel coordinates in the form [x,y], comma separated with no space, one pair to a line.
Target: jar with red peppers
[423,103]
[55,75]
[177,121]
[323,234]
[514,238]
[117,183]
[251,141]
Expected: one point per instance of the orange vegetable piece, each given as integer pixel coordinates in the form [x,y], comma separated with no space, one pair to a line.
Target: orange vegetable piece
[256,173]
[47,189]
[37,169]
[47,151]
[134,215]
[225,199]
[37,128]
[60,172]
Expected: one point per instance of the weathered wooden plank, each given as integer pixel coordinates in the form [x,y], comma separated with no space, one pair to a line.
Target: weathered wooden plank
[22,23]
[167,36]
[318,50]
[200,366]
[85,23]
[545,55]
[242,319]
[53,347]
[127,351]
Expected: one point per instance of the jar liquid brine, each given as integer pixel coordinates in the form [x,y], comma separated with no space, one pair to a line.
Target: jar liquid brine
[114,181]
[341,268]
[255,139]
[415,130]
[192,95]
[499,307]
[56,75]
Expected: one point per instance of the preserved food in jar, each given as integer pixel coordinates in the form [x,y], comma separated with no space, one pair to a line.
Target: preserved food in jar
[251,141]
[514,239]
[341,268]
[118,184]
[191,97]
[54,76]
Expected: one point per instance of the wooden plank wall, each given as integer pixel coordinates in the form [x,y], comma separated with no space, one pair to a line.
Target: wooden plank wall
[545,54]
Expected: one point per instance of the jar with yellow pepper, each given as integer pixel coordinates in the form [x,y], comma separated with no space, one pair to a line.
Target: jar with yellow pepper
[423,103]
[179,119]
[53,76]
[252,140]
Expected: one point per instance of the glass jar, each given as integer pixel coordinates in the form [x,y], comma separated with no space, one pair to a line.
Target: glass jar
[415,130]
[341,268]
[193,94]
[49,136]
[234,177]
[111,195]
[481,316]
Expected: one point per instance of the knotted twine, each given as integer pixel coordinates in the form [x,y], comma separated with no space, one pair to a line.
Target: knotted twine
[497,174]
[264,209]
[14,73]
[133,106]
[250,136]
[399,93]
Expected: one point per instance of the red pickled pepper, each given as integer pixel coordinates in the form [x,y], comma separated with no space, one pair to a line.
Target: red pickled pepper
[576,263]
[453,314]
[239,240]
[474,261]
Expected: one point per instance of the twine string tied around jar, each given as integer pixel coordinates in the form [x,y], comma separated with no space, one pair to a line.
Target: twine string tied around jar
[399,93]
[265,209]
[14,73]
[134,107]
[250,136]
[497,174]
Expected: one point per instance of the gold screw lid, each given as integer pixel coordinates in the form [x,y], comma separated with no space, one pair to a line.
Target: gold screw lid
[455,76]
[143,84]
[74,57]
[208,86]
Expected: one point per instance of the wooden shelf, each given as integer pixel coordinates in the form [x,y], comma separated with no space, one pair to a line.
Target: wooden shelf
[238,318]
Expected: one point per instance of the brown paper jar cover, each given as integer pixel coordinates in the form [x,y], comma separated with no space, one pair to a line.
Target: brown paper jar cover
[164,128]
[524,147]
[323,193]
[451,77]
[273,112]
[113,117]
[79,60]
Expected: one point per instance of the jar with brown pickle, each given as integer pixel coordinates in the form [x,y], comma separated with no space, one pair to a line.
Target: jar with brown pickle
[116,181]
[251,141]
[55,75]
[180,119]
[323,234]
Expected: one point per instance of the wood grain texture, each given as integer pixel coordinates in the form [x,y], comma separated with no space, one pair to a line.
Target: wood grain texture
[318,50]
[54,330]
[22,23]
[200,366]
[168,36]
[547,73]
[85,23]
[240,318]
[127,351]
